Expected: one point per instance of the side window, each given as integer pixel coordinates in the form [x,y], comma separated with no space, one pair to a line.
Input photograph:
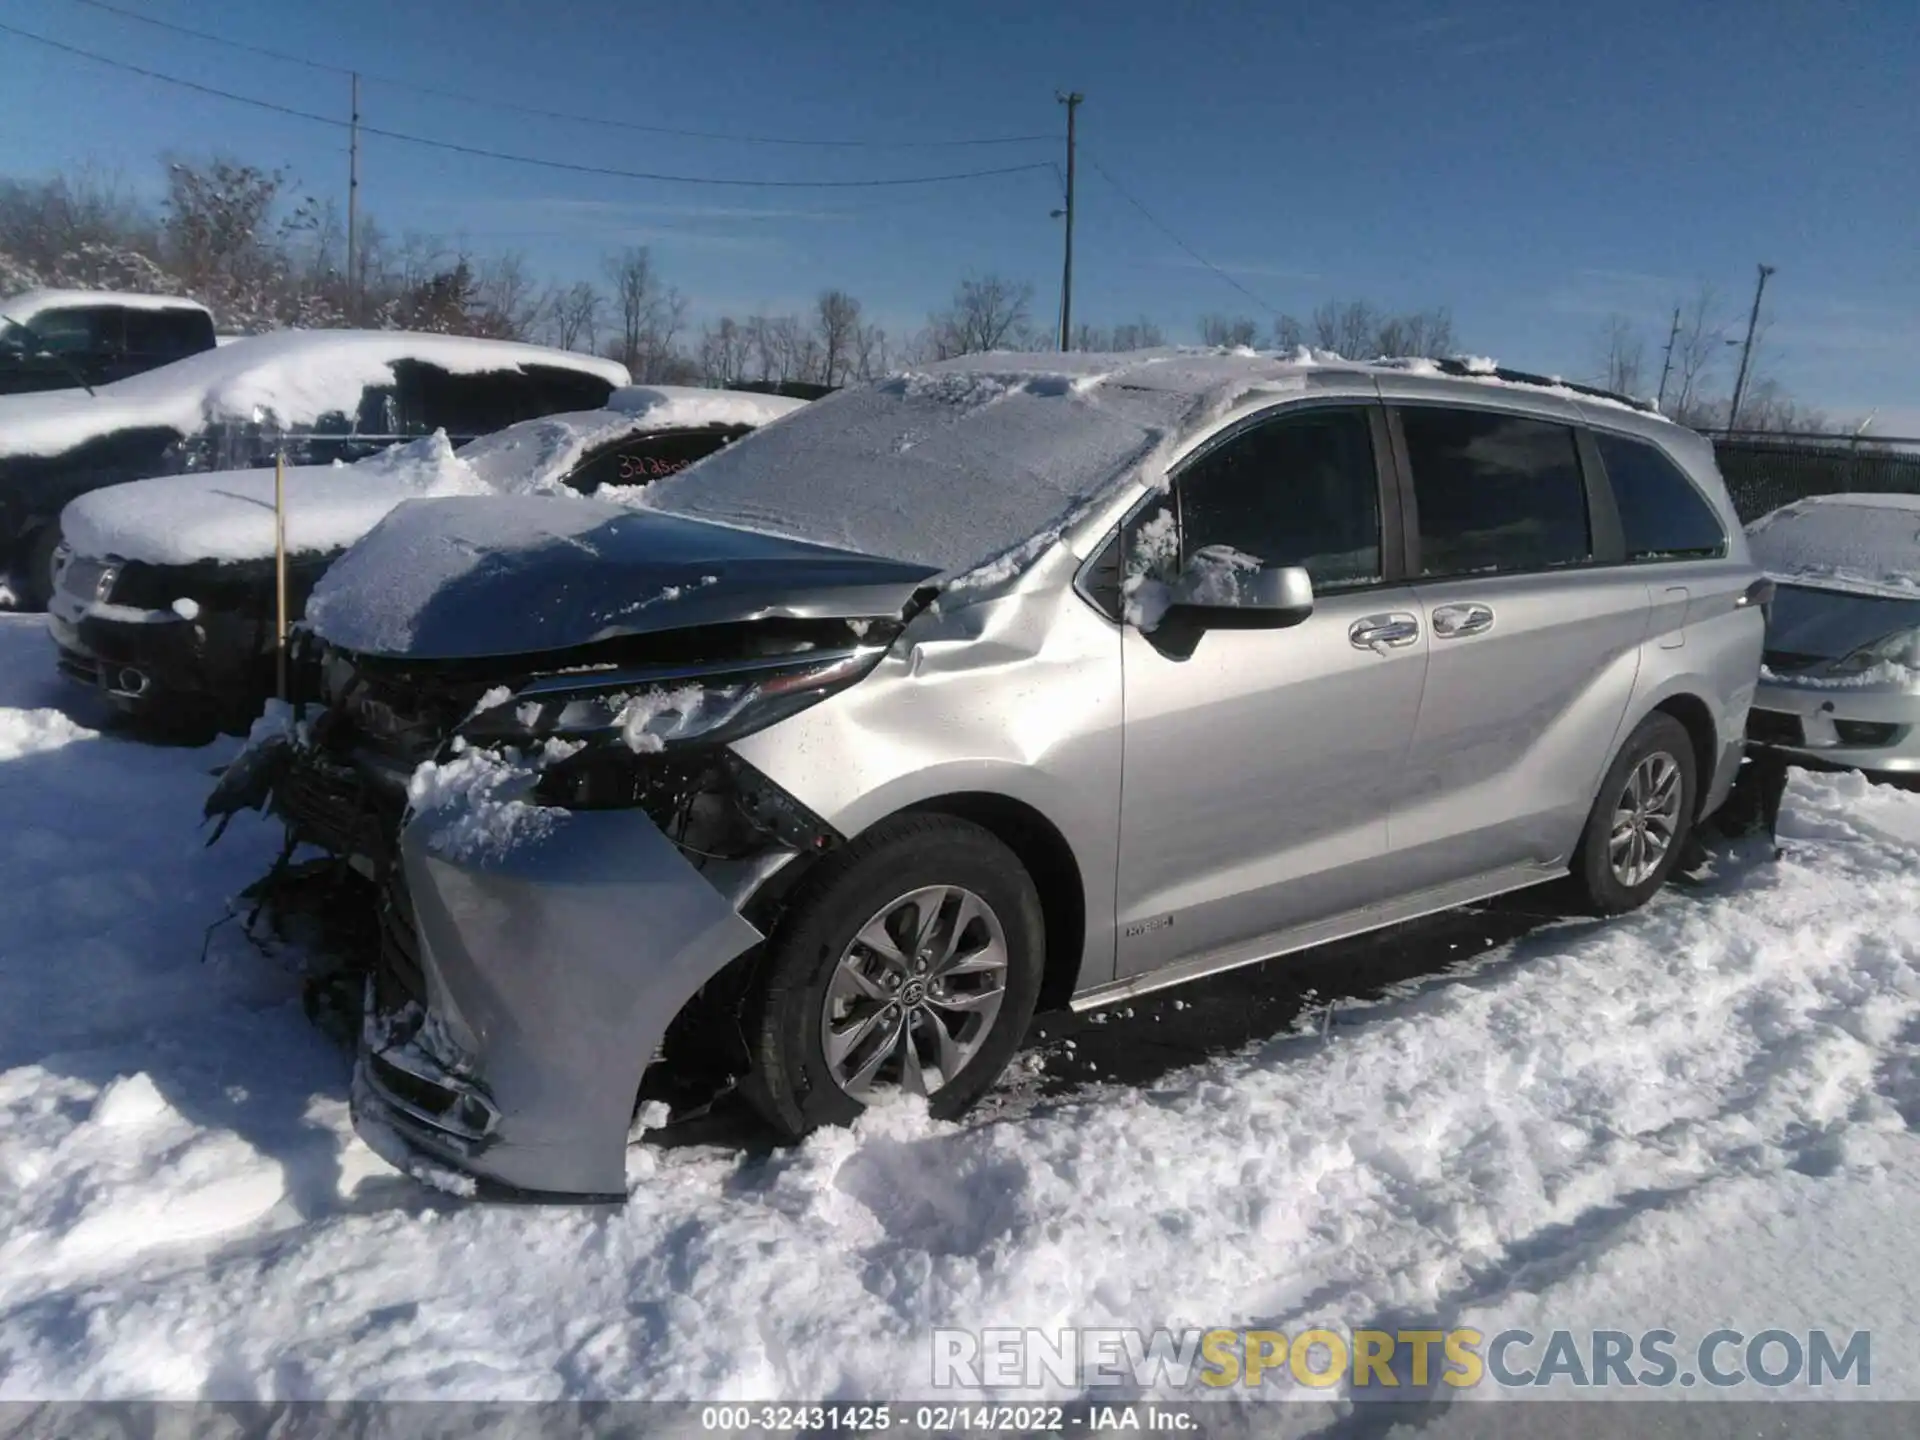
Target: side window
[1662,515]
[168,334]
[1301,489]
[640,459]
[68,332]
[1496,493]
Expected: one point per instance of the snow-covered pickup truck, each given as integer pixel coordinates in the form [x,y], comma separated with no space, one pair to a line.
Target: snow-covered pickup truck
[165,597]
[314,395]
[70,339]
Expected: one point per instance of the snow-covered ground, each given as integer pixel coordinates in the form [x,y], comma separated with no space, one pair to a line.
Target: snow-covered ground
[1701,1116]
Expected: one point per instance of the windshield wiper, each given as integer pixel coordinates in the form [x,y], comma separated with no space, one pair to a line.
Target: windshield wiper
[57,358]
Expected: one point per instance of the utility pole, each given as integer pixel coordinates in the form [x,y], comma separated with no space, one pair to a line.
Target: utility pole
[353,202]
[1666,361]
[1746,350]
[1072,101]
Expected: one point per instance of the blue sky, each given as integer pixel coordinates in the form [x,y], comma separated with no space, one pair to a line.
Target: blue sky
[1533,166]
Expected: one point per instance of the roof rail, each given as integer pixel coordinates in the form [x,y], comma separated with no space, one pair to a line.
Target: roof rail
[1522,377]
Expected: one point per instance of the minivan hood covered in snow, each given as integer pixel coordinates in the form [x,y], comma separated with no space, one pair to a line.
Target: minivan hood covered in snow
[475,578]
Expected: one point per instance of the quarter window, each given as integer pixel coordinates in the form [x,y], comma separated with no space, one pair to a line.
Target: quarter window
[1662,515]
[1495,492]
[1299,490]
[642,459]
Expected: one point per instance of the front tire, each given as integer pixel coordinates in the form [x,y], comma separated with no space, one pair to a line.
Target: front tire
[911,961]
[1641,818]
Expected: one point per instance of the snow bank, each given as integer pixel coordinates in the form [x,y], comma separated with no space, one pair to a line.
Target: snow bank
[1862,544]
[294,376]
[229,515]
[1701,1115]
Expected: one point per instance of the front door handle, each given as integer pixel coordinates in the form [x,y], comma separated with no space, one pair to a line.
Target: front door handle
[1451,621]
[1381,633]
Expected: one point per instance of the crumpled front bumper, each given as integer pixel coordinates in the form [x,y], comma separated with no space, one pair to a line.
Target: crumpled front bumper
[551,969]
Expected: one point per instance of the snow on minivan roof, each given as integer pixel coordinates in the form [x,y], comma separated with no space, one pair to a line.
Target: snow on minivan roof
[295,375]
[983,457]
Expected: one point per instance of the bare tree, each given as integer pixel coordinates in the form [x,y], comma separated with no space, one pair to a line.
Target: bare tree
[1227,330]
[838,319]
[986,313]
[872,356]
[726,350]
[647,316]
[1426,333]
[1360,330]
[507,303]
[1623,355]
[573,315]
[1697,348]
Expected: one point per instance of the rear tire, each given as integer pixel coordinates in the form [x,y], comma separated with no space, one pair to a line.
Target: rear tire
[1641,818]
[968,921]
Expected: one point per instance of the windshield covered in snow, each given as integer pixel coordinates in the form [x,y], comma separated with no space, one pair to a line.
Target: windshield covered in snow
[1869,544]
[946,469]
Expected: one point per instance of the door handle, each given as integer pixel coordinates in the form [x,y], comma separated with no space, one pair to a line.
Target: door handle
[1381,633]
[1451,621]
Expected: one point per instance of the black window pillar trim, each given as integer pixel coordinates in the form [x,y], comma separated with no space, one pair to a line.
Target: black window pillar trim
[1406,507]
[1396,535]
[1605,534]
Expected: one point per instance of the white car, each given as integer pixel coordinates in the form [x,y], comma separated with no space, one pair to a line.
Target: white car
[164,597]
[1840,685]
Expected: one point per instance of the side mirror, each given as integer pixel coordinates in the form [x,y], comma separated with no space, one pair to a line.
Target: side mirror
[1221,589]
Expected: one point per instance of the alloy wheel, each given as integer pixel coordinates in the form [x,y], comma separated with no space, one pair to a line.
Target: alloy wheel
[915,994]
[1645,819]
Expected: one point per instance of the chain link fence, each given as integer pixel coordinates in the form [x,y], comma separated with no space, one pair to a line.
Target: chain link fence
[1765,471]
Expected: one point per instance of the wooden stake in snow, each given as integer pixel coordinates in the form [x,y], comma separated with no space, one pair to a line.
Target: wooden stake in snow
[280,573]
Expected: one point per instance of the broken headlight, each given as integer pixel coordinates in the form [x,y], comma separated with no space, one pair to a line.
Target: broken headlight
[607,724]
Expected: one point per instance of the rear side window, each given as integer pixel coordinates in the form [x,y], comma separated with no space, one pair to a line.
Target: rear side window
[1301,489]
[1496,493]
[640,459]
[168,334]
[1662,515]
[467,406]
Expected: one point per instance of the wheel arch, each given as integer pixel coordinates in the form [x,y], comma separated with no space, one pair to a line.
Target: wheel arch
[1696,718]
[1042,849]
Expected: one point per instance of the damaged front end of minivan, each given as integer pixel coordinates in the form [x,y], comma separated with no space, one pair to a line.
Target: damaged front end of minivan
[579,808]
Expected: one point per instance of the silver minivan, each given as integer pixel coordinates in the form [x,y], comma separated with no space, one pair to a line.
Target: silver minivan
[1021,681]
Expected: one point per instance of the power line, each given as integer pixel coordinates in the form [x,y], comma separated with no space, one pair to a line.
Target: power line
[1157,224]
[483,153]
[497,104]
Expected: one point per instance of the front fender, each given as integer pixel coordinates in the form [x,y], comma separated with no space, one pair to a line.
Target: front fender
[553,967]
